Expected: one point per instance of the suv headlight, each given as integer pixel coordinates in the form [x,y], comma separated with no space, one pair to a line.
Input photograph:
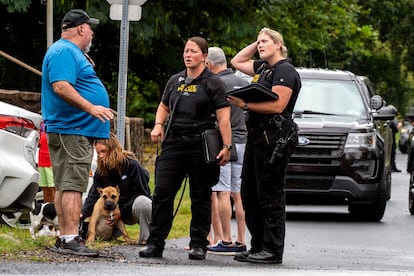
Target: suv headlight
[364,140]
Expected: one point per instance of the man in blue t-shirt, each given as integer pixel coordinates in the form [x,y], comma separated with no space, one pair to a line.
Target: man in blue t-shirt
[75,109]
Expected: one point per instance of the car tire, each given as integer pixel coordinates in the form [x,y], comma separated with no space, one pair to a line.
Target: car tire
[389,181]
[373,211]
[403,148]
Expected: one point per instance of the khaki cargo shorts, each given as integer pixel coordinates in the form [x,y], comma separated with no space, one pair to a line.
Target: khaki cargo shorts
[71,157]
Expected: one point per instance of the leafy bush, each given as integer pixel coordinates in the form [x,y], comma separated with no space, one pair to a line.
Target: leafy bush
[141,100]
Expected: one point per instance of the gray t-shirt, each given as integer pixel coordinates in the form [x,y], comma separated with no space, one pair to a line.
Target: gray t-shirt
[238,120]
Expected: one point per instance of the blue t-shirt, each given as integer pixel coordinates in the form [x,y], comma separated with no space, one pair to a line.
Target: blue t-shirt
[64,61]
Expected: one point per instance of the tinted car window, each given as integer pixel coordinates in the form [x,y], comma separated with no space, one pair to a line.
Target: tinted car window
[330,96]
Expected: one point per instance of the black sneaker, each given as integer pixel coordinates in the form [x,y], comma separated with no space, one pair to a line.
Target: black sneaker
[76,247]
[242,257]
[395,170]
[264,257]
[197,254]
[151,251]
[57,246]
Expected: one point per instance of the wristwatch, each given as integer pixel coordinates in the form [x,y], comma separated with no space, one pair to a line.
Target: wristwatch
[245,107]
[229,147]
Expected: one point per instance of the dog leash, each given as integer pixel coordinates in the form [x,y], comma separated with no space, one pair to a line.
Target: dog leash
[182,193]
[187,81]
[181,197]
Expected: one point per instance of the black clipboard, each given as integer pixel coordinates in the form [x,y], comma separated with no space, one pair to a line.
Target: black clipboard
[213,144]
[253,93]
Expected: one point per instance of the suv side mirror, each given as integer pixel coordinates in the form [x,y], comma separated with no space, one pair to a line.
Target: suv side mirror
[386,113]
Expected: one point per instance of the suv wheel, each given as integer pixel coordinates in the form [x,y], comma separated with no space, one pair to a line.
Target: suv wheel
[410,194]
[374,211]
[387,173]
[403,148]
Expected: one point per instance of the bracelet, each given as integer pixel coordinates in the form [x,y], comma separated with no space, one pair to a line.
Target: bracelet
[158,124]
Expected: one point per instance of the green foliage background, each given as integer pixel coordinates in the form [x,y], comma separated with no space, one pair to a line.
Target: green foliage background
[372,38]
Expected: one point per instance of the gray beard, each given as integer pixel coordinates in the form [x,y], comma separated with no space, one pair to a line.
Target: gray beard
[88,48]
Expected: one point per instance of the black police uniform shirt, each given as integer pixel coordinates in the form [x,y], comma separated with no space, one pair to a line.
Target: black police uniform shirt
[282,73]
[197,102]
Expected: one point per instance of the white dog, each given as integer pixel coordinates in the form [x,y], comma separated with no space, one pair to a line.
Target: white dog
[43,214]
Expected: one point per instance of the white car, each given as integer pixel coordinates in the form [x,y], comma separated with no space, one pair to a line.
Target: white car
[92,173]
[19,138]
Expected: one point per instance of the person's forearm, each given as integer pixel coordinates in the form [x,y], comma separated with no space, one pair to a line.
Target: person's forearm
[243,61]
[223,118]
[70,95]
[161,115]
[245,54]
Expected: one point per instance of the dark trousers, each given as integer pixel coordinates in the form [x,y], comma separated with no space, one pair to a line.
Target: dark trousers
[393,152]
[263,197]
[181,157]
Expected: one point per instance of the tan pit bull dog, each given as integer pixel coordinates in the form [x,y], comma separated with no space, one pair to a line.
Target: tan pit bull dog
[102,211]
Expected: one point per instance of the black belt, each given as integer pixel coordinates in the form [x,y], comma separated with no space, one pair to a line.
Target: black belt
[185,136]
[268,122]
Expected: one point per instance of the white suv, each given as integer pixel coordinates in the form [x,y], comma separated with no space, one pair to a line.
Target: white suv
[19,137]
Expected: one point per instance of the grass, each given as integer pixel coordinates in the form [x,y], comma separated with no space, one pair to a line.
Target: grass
[13,241]
[181,223]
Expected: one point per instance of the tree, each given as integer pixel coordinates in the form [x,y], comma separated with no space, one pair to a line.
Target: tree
[156,42]
[392,63]
[372,38]
[319,33]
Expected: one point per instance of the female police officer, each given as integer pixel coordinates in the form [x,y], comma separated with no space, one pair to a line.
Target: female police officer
[272,135]
[194,100]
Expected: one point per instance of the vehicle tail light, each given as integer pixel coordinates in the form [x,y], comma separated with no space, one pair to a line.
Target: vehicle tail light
[16,125]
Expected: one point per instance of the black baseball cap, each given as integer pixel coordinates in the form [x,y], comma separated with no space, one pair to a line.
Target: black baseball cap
[77,17]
